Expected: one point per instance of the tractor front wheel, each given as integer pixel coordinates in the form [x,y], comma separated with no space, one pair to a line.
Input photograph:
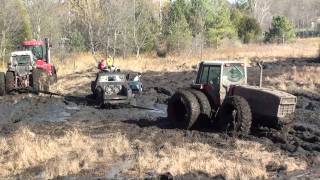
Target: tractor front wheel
[235,115]
[2,84]
[10,82]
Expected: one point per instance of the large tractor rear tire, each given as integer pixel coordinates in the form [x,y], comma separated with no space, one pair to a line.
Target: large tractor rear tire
[41,81]
[204,119]
[10,82]
[183,109]
[205,107]
[2,84]
[235,116]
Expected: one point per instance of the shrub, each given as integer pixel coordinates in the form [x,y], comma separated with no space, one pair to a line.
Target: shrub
[281,29]
[248,29]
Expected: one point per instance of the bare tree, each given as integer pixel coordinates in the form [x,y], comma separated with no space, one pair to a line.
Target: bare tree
[143,24]
[10,23]
[261,10]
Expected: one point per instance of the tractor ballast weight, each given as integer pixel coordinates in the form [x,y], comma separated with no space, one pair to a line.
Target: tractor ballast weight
[234,105]
[29,68]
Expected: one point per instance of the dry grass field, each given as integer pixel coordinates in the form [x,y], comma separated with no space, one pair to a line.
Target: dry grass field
[288,77]
[302,48]
[26,153]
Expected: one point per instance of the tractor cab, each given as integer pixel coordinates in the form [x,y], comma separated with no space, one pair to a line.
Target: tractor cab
[40,49]
[216,77]
[41,53]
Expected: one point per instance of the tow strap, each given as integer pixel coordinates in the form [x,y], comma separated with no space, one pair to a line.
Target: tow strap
[66,97]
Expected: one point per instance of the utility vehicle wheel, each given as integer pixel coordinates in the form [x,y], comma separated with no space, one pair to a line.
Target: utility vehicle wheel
[133,102]
[235,115]
[183,109]
[205,107]
[10,82]
[41,80]
[2,84]
[99,96]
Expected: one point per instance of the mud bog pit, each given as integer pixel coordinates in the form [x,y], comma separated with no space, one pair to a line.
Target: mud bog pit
[55,137]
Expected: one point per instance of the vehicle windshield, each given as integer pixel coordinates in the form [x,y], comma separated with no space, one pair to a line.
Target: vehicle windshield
[111,78]
[37,51]
[21,59]
[233,74]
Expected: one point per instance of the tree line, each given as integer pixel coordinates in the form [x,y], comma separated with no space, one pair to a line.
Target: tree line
[124,27]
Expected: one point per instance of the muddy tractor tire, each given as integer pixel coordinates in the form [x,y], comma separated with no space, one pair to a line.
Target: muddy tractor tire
[10,82]
[235,116]
[41,81]
[2,84]
[205,107]
[183,109]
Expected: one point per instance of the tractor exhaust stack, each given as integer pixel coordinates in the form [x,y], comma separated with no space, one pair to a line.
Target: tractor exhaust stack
[47,44]
[260,64]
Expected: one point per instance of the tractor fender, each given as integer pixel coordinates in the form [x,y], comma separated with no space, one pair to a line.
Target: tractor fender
[41,64]
[267,104]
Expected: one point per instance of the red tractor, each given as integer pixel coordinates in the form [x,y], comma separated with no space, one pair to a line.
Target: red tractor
[29,68]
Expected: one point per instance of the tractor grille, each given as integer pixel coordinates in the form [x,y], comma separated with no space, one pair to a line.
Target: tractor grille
[286,109]
[23,70]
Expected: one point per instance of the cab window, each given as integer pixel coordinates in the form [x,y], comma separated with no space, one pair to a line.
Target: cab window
[214,75]
[210,74]
[234,74]
[37,51]
[204,75]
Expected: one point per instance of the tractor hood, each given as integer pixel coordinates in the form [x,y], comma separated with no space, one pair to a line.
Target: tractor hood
[267,102]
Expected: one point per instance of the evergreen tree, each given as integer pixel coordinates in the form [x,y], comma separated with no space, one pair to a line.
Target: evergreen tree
[248,29]
[281,30]
[177,29]
[220,25]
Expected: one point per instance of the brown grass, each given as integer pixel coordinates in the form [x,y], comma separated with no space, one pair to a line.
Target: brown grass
[81,63]
[57,156]
[75,63]
[248,160]
[25,153]
[185,61]
[2,68]
[292,78]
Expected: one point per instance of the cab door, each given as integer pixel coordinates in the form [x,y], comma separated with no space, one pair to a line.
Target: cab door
[209,78]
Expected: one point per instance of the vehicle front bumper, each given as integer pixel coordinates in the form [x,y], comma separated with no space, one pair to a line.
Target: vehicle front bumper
[113,100]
